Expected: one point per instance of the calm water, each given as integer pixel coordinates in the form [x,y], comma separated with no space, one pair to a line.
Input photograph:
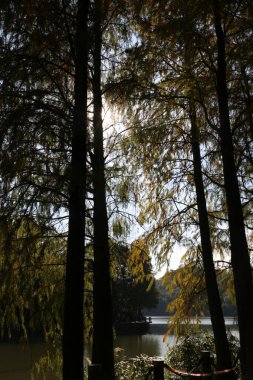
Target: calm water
[152,343]
[16,360]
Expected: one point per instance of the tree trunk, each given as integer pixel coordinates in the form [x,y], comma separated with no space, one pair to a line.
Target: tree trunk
[213,296]
[73,326]
[102,299]
[239,247]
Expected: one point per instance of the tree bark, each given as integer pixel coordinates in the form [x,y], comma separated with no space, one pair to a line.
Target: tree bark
[239,248]
[102,300]
[213,296]
[73,325]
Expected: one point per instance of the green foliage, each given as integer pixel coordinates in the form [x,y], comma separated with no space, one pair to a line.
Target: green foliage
[133,286]
[186,287]
[171,285]
[136,369]
[151,86]
[49,363]
[186,294]
[31,285]
[185,355]
[154,85]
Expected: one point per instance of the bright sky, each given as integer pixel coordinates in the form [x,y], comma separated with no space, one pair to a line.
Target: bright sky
[174,261]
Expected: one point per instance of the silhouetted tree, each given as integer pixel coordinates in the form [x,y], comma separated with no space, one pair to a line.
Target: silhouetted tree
[102,298]
[73,327]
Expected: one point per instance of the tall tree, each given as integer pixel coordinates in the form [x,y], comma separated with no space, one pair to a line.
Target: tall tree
[239,246]
[34,110]
[35,128]
[73,328]
[102,299]
[154,86]
[213,296]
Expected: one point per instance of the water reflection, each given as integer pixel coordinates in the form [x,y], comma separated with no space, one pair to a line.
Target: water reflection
[16,360]
[152,343]
[148,344]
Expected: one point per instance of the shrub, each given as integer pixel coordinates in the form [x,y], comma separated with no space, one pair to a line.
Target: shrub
[185,355]
[134,369]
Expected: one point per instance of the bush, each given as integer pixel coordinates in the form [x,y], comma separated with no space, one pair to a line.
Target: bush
[185,355]
[135,369]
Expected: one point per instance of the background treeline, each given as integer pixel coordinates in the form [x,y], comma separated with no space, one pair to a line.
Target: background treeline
[165,298]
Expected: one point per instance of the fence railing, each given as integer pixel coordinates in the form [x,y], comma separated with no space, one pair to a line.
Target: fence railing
[158,369]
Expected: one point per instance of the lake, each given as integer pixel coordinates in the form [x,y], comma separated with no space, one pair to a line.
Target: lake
[16,360]
[152,343]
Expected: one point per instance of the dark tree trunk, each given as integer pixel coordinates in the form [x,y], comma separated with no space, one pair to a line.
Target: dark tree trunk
[239,248]
[73,327]
[213,296]
[102,299]
[248,116]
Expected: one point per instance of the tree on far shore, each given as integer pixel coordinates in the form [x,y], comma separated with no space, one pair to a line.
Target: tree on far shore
[131,293]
